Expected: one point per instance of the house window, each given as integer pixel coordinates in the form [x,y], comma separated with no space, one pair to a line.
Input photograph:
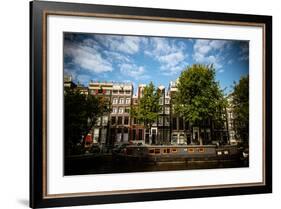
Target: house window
[114,110]
[107,92]
[127,110]
[119,122]
[98,121]
[167,101]
[119,135]
[160,121]
[174,123]
[115,91]
[134,134]
[121,101]
[167,121]
[104,120]
[128,100]
[126,120]
[128,92]
[167,110]
[96,135]
[187,125]
[115,100]
[140,134]
[174,138]
[180,123]
[121,92]
[121,110]
[113,120]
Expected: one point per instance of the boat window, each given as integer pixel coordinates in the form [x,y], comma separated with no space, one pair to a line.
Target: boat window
[151,151]
[157,151]
[201,150]
[168,150]
[164,151]
[174,150]
[190,150]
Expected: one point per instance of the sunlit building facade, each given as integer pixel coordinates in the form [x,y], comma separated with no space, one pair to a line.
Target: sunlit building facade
[119,127]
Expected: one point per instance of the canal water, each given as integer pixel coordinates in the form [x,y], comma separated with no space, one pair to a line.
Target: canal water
[90,166]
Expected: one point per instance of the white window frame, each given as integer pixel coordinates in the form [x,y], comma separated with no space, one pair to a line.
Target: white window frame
[121,110]
[121,100]
[167,110]
[115,101]
[127,101]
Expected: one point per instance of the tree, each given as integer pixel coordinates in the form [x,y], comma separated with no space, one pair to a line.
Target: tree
[80,114]
[199,97]
[240,102]
[148,107]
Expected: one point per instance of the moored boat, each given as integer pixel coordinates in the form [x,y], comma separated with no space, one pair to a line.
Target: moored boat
[178,153]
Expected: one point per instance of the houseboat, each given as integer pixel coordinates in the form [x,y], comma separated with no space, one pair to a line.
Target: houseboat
[178,153]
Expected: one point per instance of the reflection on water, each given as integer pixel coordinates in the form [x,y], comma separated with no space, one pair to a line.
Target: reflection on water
[81,167]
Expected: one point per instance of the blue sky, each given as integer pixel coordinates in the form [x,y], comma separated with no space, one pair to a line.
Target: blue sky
[141,59]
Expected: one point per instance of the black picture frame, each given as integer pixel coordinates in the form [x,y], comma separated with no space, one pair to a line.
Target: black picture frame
[39,10]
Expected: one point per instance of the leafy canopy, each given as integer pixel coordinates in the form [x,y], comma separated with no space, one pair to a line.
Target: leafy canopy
[148,107]
[240,102]
[199,96]
[80,114]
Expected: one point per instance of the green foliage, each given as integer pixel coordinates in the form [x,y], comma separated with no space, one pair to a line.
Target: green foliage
[199,96]
[148,108]
[80,114]
[240,102]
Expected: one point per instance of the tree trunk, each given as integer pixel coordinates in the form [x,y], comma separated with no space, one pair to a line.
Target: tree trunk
[211,129]
[204,131]
[191,129]
[199,135]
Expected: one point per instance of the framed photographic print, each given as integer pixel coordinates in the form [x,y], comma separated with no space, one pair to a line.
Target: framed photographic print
[140,104]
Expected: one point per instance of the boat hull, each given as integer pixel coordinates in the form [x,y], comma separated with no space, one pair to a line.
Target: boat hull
[160,154]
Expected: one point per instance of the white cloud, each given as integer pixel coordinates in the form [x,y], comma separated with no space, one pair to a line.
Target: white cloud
[84,79]
[87,57]
[171,70]
[125,44]
[244,52]
[172,59]
[169,54]
[244,57]
[132,70]
[116,57]
[230,61]
[71,72]
[203,48]
[219,44]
